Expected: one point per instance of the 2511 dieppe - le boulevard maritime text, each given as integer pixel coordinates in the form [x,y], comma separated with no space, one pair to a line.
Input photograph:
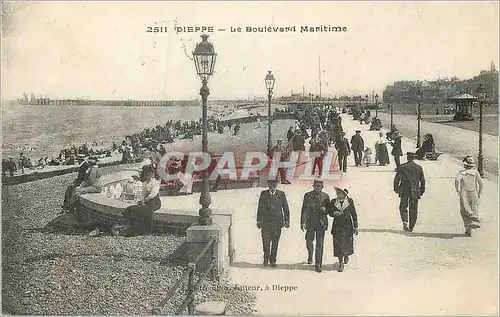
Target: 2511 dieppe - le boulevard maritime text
[325,28]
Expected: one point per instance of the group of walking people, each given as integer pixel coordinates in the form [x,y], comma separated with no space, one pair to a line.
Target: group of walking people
[273,214]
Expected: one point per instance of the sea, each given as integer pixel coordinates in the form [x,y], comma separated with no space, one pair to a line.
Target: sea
[44,130]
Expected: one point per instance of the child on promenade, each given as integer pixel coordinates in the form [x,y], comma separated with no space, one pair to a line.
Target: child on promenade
[367,156]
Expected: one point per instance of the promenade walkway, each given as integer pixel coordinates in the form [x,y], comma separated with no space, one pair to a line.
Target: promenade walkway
[435,270]
[449,139]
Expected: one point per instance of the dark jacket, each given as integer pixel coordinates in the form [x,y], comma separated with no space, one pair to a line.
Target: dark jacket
[318,146]
[347,221]
[343,147]
[289,134]
[396,147]
[311,216]
[357,143]
[82,170]
[273,211]
[410,179]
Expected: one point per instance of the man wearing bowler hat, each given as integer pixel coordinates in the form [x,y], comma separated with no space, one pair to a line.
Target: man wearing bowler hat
[314,221]
[272,215]
[357,146]
[409,183]
[343,151]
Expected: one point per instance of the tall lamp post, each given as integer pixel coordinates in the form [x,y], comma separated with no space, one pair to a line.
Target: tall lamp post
[204,59]
[392,111]
[376,105]
[269,85]
[481,98]
[366,101]
[419,97]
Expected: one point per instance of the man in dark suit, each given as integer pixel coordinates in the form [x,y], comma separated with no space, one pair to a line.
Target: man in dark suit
[357,146]
[272,215]
[409,183]
[343,151]
[314,220]
[397,152]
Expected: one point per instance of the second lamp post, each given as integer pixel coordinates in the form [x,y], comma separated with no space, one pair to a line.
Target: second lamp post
[204,59]
[376,105]
[419,97]
[269,85]
[481,98]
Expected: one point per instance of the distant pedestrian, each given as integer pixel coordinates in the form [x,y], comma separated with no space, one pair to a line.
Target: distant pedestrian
[469,187]
[367,157]
[5,167]
[397,152]
[409,183]
[344,227]
[22,162]
[319,148]
[357,146]
[343,151]
[381,153]
[11,166]
[314,221]
[272,215]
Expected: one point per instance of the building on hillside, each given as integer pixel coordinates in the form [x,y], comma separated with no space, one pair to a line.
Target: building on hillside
[441,90]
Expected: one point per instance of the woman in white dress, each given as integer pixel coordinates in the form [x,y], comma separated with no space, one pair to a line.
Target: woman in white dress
[469,186]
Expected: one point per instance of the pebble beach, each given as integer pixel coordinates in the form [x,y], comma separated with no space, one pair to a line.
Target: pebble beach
[63,272]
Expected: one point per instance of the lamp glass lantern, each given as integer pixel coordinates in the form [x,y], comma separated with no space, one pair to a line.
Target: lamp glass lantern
[204,58]
[481,93]
[376,99]
[269,80]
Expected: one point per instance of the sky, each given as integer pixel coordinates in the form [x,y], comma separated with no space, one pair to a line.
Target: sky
[101,50]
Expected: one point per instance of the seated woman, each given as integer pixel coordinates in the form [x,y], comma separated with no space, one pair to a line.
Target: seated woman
[138,217]
[91,183]
[428,146]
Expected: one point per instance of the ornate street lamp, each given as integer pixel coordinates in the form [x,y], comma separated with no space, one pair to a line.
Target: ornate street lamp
[269,86]
[376,105]
[419,97]
[366,101]
[481,98]
[204,59]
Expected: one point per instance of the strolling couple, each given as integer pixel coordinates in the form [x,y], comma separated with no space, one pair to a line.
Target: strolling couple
[314,221]
[273,214]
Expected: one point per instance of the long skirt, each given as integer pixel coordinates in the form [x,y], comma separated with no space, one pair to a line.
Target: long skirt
[77,192]
[383,154]
[343,242]
[469,209]
[139,217]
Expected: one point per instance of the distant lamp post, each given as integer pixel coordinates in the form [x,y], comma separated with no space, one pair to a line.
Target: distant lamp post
[392,111]
[419,97]
[481,98]
[204,59]
[269,86]
[366,101]
[376,105]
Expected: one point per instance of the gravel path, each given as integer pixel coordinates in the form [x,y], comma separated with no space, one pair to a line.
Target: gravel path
[73,274]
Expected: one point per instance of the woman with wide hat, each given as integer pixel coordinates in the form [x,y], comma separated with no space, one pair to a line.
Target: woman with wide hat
[345,226]
[469,186]
[139,216]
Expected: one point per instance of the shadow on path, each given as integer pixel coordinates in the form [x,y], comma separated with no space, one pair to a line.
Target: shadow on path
[280,266]
[416,234]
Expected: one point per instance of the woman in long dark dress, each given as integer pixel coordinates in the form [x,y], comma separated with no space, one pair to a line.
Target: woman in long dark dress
[381,149]
[345,226]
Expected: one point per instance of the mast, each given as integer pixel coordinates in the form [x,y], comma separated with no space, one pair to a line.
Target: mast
[319,70]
